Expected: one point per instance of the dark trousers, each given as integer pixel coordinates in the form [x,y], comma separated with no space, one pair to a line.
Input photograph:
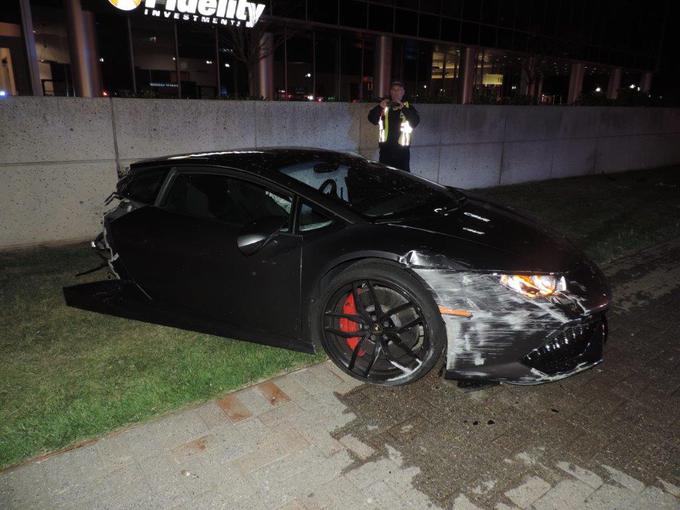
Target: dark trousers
[396,156]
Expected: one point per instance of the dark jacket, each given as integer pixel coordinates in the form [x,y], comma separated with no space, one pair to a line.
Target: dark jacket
[393,123]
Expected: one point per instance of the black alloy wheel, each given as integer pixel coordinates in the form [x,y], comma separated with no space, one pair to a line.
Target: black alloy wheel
[380,326]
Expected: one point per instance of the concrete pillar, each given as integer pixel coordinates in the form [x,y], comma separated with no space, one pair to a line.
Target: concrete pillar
[383,66]
[468,74]
[575,82]
[83,45]
[265,67]
[528,78]
[646,82]
[29,43]
[614,83]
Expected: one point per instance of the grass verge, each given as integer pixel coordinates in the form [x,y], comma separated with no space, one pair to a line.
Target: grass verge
[605,215]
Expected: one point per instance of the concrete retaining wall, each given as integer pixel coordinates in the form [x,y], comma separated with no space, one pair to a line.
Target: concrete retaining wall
[58,156]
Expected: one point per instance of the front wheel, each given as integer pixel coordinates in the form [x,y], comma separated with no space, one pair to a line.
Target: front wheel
[379,324]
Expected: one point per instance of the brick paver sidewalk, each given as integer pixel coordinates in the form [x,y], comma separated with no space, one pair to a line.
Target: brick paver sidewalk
[608,438]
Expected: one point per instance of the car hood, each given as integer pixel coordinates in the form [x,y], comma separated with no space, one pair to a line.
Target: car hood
[488,236]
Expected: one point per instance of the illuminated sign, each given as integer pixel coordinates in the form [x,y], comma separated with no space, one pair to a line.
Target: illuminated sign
[492,79]
[215,12]
[125,5]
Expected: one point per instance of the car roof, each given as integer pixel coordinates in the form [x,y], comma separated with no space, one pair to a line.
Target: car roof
[260,160]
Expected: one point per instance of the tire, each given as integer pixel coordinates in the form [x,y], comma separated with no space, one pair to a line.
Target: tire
[399,348]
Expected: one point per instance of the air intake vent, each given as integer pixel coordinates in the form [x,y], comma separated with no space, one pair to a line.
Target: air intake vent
[569,347]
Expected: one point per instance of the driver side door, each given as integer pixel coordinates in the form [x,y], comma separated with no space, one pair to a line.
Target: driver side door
[194,263]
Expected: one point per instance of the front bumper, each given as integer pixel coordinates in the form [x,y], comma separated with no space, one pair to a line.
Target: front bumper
[569,350]
[557,354]
[516,339]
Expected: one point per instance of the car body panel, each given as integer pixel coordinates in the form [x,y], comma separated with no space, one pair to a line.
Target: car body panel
[178,264]
[123,298]
[503,326]
[180,260]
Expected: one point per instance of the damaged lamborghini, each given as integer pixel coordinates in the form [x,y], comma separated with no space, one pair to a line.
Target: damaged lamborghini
[385,271]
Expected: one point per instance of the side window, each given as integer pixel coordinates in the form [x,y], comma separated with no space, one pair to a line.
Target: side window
[145,187]
[312,219]
[225,199]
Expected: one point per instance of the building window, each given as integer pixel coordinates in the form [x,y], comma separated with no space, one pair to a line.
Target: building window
[450,29]
[410,68]
[445,77]
[327,66]
[380,18]
[353,13]
[153,56]
[452,8]
[197,60]
[405,22]
[14,77]
[428,26]
[114,53]
[300,67]
[497,76]
[352,60]
[433,6]
[153,43]
[51,42]
[470,33]
[323,11]
[232,74]
[289,8]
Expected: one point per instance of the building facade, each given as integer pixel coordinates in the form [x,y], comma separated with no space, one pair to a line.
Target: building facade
[460,51]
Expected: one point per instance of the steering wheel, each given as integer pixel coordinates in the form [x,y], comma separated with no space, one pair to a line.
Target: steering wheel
[332,185]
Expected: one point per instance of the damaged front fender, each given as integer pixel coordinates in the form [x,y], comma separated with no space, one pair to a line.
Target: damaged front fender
[505,336]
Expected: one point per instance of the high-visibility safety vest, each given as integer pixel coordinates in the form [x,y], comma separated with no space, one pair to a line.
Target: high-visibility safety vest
[405,129]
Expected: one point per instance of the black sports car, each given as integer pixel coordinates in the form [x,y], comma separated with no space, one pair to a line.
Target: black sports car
[307,248]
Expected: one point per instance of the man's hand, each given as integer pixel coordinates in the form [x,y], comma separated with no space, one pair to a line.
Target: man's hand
[399,106]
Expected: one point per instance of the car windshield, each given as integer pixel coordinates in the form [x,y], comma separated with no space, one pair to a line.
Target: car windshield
[372,189]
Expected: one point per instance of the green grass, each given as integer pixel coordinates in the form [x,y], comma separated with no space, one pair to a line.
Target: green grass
[605,215]
[67,375]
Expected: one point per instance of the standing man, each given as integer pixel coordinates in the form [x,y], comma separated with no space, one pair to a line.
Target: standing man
[395,119]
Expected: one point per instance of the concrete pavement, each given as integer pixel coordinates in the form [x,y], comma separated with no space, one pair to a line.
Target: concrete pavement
[313,439]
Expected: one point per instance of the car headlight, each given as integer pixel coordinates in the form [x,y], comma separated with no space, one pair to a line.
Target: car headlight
[534,285]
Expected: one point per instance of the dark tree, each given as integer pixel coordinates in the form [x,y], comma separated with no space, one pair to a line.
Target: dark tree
[250,45]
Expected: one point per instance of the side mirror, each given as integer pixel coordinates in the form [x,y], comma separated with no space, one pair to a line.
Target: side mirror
[257,233]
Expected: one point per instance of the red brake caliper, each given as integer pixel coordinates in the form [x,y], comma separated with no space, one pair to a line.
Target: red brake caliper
[349,326]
